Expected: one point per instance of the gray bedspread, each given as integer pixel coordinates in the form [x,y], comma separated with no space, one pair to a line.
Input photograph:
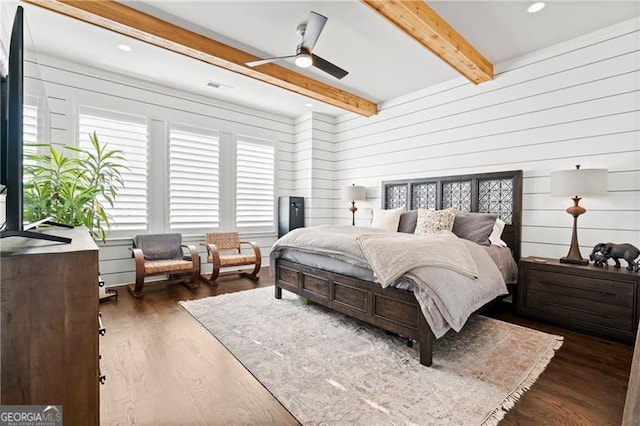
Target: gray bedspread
[447,298]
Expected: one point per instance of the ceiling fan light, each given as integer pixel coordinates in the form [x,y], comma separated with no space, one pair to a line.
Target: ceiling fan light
[303,60]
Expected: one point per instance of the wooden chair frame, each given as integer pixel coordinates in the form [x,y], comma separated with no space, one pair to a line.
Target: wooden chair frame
[214,253]
[191,282]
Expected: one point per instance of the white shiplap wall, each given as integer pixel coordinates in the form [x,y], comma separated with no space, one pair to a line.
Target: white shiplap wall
[574,103]
[314,166]
[68,85]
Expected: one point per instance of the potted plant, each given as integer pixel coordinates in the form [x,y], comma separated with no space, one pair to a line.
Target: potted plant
[74,189]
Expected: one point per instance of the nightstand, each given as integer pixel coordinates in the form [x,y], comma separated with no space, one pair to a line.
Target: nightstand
[602,301]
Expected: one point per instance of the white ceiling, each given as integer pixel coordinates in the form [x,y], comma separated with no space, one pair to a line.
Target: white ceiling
[383,62]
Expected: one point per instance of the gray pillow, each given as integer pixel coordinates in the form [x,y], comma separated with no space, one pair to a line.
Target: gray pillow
[474,227]
[408,221]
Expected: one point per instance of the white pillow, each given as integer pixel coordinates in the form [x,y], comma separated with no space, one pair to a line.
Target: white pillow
[386,219]
[432,221]
[495,239]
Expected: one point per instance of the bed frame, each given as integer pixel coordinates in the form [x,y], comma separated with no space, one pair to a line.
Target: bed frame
[398,310]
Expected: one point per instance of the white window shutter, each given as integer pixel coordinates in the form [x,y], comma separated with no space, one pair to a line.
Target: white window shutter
[194,178]
[255,176]
[128,134]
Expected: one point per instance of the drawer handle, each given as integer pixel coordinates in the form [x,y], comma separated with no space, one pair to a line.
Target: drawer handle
[613,293]
[102,378]
[579,310]
[101,329]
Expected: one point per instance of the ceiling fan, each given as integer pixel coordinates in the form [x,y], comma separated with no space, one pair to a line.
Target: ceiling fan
[304,57]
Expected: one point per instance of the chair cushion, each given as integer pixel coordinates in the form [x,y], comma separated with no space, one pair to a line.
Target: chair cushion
[170,265]
[235,259]
[159,246]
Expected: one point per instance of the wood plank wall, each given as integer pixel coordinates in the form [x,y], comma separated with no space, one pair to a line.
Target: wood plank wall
[68,85]
[574,103]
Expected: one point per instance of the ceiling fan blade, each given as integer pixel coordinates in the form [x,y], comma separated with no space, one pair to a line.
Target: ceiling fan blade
[267,60]
[315,24]
[328,67]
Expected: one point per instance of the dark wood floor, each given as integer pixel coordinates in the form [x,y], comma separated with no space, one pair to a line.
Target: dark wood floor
[164,368]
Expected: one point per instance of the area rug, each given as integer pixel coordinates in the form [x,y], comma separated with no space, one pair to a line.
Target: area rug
[328,369]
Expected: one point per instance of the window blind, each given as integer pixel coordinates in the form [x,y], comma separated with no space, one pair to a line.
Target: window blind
[194,178]
[128,134]
[255,174]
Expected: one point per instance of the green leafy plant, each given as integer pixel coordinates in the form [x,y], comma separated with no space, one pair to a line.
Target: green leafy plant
[74,189]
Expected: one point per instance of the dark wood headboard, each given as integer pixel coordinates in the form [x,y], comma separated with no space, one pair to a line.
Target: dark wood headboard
[498,192]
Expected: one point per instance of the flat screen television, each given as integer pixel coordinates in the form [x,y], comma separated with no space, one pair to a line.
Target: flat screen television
[11,140]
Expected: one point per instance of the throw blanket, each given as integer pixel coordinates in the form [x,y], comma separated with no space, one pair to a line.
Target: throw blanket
[159,246]
[392,255]
[446,298]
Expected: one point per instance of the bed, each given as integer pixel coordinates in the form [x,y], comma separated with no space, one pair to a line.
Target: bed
[396,309]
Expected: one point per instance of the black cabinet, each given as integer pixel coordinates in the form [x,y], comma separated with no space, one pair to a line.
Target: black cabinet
[290,214]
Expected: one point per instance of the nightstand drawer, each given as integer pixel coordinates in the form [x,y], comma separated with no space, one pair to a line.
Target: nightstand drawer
[617,293]
[581,310]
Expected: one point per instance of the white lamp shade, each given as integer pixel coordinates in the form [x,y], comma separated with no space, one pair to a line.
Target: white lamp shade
[579,182]
[353,193]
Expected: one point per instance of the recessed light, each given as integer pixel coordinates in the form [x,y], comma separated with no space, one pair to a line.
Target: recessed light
[308,104]
[124,47]
[536,7]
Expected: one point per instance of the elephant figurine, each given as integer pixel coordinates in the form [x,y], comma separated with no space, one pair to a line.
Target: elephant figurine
[598,259]
[628,252]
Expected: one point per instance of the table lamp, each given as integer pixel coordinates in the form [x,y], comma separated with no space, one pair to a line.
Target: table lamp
[354,193]
[577,182]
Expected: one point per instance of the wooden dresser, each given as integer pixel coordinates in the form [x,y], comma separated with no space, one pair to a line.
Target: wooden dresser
[49,324]
[601,301]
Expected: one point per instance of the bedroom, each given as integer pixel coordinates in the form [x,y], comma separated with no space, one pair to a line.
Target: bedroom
[575,100]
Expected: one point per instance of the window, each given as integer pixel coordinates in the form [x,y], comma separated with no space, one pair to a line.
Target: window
[29,131]
[128,134]
[194,178]
[255,164]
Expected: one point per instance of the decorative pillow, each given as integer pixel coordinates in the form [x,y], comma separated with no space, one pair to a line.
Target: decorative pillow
[496,234]
[432,221]
[386,219]
[408,221]
[474,227]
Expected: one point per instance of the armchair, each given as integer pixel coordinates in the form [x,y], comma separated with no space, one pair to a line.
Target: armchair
[162,254]
[221,242]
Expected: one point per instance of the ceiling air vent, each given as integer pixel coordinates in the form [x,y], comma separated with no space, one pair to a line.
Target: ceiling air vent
[219,86]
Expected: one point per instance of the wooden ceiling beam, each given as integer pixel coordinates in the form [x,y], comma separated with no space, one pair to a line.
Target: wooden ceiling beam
[133,23]
[424,25]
